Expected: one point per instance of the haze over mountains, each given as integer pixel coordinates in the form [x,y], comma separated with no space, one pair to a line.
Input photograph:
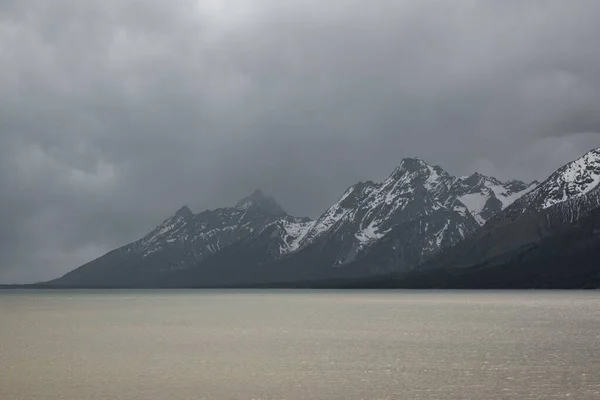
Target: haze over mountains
[419,218]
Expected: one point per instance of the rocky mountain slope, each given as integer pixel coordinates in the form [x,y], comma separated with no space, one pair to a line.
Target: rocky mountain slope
[567,196]
[182,241]
[417,211]
[564,259]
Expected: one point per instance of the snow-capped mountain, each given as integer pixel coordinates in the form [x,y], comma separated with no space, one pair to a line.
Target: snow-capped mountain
[573,181]
[570,192]
[567,196]
[396,224]
[425,202]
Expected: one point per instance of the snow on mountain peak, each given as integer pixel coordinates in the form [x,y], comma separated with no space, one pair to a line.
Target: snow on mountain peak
[410,164]
[415,189]
[568,194]
[573,180]
[484,195]
[417,171]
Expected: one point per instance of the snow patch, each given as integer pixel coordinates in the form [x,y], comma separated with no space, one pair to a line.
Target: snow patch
[294,233]
[433,180]
[439,236]
[506,197]
[475,202]
[369,234]
[331,216]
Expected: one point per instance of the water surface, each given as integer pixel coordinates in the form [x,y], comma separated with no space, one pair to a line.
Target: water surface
[299,345]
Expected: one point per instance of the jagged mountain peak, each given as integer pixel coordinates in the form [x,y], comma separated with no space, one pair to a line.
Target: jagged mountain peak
[574,179]
[419,172]
[258,200]
[184,212]
[485,196]
[257,194]
[412,164]
[479,179]
[517,185]
[409,162]
[508,187]
[569,195]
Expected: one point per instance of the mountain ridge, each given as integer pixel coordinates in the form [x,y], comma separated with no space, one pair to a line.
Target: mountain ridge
[257,232]
[535,215]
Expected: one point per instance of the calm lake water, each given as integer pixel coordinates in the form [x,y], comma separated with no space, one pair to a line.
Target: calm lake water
[299,345]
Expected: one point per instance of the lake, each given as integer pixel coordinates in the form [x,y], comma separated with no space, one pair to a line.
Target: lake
[95,344]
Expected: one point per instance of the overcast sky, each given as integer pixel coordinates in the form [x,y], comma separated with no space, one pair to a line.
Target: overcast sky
[114,113]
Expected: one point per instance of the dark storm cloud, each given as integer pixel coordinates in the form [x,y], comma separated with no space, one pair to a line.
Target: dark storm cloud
[113,114]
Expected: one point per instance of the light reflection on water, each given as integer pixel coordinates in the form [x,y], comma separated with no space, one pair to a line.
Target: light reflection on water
[299,344]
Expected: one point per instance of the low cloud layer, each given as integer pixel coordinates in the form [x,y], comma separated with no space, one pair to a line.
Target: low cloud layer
[113,114]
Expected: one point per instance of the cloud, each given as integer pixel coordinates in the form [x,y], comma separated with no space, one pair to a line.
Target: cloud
[113,114]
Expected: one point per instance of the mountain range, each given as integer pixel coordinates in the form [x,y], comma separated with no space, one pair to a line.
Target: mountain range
[419,223]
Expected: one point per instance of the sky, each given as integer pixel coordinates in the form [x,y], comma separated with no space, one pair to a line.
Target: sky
[113,114]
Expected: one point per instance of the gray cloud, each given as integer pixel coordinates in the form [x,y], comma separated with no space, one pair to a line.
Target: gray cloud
[113,114]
